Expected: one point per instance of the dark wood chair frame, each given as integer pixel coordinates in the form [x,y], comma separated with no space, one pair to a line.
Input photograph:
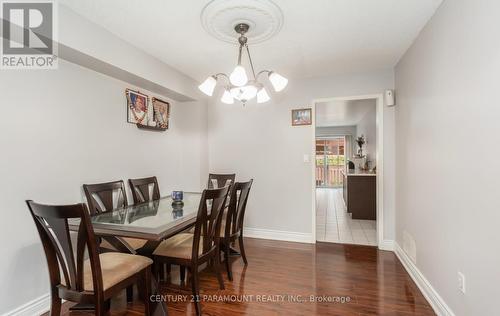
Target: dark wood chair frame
[208,225]
[52,225]
[220,179]
[140,189]
[233,228]
[140,194]
[105,193]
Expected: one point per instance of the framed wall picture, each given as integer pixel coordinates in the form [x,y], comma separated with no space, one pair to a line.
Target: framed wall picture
[161,113]
[137,107]
[301,117]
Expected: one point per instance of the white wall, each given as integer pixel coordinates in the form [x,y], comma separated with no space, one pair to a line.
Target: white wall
[67,127]
[257,141]
[448,180]
[368,127]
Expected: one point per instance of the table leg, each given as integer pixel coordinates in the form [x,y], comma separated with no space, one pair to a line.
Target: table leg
[158,308]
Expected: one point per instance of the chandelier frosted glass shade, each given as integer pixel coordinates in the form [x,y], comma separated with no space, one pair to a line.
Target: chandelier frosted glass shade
[238,77]
[262,96]
[278,81]
[227,98]
[237,84]
[208,86]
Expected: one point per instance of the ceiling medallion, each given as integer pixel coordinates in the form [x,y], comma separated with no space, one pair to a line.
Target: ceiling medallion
[263,17]
[237,85]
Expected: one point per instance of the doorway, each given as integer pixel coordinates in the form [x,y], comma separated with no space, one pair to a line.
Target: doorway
[330,161]
[332,220]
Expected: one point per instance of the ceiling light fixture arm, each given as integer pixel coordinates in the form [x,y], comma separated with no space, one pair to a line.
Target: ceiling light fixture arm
[221,74]
[251,63]
[263,72]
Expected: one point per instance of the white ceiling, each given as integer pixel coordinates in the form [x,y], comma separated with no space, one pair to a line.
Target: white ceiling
[318,37]
[343,113]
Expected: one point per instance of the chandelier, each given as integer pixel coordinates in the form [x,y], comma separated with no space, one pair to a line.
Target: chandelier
[237,85]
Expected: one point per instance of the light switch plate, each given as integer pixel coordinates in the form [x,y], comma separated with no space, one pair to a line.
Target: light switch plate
[306,158]
[461,282]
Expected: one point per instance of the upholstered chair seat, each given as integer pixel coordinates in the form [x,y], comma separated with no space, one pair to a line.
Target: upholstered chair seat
[178,246]
[115,267]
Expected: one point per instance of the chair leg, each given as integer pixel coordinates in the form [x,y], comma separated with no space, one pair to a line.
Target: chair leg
[217,268]
[196,290]
[228,265]
[156,269]
[130,294]
[55,305]
[146,286]
[101,308]
[162,271]
[242,249]
[182,273]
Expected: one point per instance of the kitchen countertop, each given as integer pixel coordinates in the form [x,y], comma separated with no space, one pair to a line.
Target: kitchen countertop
[359,173]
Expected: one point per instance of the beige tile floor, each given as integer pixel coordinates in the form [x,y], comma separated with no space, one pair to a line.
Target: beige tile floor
[334,224]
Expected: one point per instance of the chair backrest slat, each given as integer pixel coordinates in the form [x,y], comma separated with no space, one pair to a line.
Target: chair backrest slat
[208,220]
[237,206]
[52,224]
[102,197]
[216,181]
[144,190]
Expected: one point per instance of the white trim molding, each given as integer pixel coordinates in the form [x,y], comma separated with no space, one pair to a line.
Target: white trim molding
[430,294]
[278,235]
[386,244]
[38,306]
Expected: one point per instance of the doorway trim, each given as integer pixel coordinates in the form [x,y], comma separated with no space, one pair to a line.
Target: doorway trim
[380,160]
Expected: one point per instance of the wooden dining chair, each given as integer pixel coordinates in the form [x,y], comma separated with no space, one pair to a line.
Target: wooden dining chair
[192,250]
[72,277]
[232,225]
[103,197]
[220,180]
[144,190]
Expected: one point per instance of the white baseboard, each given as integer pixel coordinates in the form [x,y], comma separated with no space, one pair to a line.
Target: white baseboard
[386,244]
[277,235]
[436,301]
[36,307]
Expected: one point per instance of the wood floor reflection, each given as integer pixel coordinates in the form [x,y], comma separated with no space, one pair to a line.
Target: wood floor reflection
[282,276]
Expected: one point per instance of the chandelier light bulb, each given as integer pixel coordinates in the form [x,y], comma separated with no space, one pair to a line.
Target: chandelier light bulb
[278,81]
[262,96]
[227,98]
[208,86]
[239,76]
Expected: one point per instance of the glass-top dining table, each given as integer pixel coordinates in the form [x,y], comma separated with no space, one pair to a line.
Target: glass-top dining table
[153,221]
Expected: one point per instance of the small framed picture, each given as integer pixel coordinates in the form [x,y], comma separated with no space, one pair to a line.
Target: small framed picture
[301,117]
[161,112]
[137,107]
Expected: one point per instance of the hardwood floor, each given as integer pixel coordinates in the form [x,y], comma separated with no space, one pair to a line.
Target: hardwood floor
[371,282]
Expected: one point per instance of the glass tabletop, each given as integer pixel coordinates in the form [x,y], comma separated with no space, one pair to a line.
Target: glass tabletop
[153,218]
